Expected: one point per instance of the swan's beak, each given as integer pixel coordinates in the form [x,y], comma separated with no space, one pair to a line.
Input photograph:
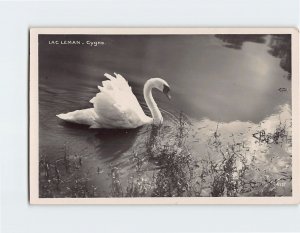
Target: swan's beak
[168,95]
[166,91]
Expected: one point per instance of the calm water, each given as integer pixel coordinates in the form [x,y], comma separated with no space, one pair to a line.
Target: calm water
[235,85]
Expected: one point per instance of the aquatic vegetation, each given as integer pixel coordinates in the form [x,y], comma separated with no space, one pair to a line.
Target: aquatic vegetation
[173,160]
[225,176]
[171,170]
[243,167]
[116,187]
[63,177]
[138,185]
[280,135]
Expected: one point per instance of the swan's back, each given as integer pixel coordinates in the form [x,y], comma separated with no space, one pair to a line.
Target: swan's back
[116,106]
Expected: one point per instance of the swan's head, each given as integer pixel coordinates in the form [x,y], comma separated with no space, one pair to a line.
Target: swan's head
[161,85]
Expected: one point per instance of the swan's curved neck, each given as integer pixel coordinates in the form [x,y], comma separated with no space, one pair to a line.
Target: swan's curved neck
[156,114]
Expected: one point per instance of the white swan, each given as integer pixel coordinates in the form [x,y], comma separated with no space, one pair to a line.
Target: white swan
[115,106]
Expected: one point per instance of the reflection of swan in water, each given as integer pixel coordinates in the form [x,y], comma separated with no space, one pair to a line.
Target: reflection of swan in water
[112,143]
[115,106]
[107,144]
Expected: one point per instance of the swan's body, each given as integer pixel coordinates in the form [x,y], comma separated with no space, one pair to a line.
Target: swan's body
[115,106]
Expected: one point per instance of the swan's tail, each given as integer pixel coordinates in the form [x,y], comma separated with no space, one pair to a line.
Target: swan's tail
[64,116]
[85,116]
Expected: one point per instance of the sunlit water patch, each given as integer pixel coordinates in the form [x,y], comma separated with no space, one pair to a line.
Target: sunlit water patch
[244,158]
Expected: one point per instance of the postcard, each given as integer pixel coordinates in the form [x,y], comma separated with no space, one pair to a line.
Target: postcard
[164,116]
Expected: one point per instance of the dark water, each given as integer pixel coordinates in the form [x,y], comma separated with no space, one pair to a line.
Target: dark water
[239,84]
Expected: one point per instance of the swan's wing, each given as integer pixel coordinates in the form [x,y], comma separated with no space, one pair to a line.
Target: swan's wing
[116,106]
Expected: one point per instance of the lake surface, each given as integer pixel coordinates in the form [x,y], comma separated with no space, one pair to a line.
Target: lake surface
[229,87]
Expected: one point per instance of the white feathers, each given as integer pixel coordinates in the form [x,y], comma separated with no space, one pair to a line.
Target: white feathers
[115,106]
[85,116]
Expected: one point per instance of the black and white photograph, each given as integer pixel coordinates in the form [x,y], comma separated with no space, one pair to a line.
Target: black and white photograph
[135,115]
